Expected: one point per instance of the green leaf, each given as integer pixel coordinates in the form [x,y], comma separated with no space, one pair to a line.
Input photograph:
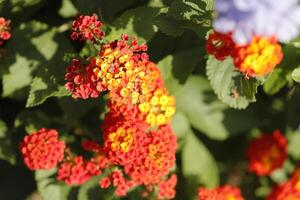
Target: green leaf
[180,124]
[19,11]
[87,7]
[293,144]
[115,8]
[169,25]
[49,188]
[135,22]
[49,80]
[198,165]
[196,100]
[186,14]
[177,67]
[43,89]
[230,85]
[32,120]
[18,63]
[296,74]
[6,149]
[275,82]
[67,9]
[91,190]
[18,76]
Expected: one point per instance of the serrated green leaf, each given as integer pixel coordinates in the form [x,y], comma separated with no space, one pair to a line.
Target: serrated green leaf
[49,80]
[6,149]
[169,25]
[18,63]
[135,22]
[40,90]
[231,86]
[186,14]
[275,82]
[296,74]
[196,101]
[177,67]
[198,165]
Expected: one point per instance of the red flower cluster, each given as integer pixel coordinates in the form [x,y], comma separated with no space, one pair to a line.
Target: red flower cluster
[288,190]
[82,80]
[267,153]
[226,192]
[87,28]
[220,45]
[4,30]
[42,150]
[259,57]
[166,189]
[77,171]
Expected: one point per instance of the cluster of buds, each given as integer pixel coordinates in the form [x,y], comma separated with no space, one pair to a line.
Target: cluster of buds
[256,58]
[4,30]
[139,144]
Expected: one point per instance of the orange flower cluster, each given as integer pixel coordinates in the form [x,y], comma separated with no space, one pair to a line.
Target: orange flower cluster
[259,57]
[288,190]
[42,149]
[267,153]
[226,192]
[138,142]
[123,69]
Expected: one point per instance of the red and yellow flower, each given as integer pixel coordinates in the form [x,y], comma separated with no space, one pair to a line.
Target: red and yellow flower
[226,192]
[267,153]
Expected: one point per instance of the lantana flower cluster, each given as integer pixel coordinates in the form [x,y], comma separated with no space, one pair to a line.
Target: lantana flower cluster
[267,153]
[5,30]
[139,144]
[226,192]
[249,32]
[289,189]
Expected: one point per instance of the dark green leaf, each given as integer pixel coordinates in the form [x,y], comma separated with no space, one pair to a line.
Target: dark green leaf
[91,190]
[6,149]
[135,22]
[176,68]
[186,14]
